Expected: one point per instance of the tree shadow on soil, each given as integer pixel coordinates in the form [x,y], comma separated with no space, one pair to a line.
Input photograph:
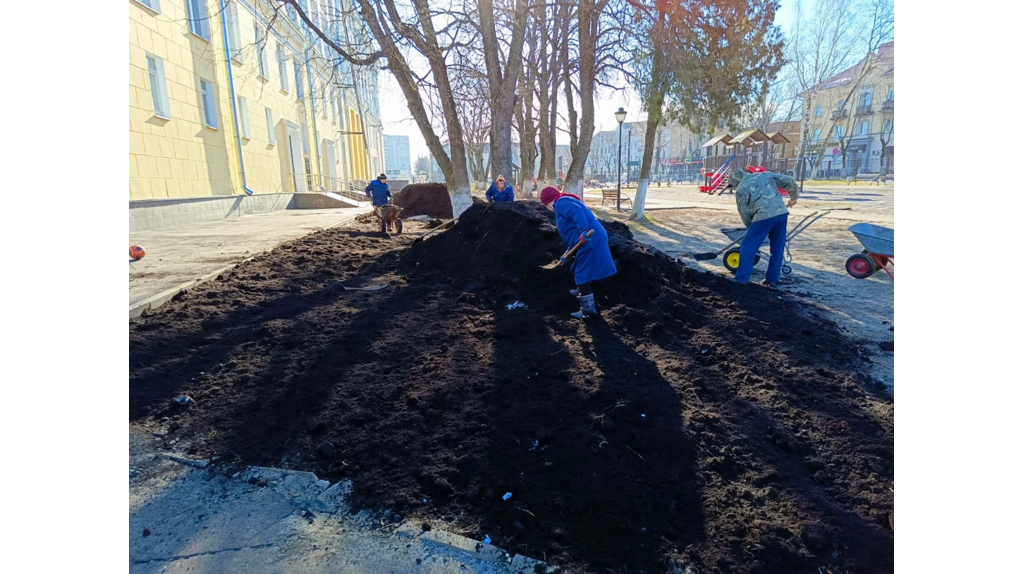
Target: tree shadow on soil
[601,468]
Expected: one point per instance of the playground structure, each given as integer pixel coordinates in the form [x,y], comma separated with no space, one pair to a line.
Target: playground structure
[754,148]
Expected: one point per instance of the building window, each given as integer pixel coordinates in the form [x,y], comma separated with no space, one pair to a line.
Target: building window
[153,5]
[817,135]
[234,37]
[840,130]
[863,128]
[243,112]
[158,87]
[198,19]
[261,49]
[298,82]
[282,68]
[209,103]
[818,110]
[270,127]
[865,98]
[891,96]
[888,126]
[334,109]
[841,103]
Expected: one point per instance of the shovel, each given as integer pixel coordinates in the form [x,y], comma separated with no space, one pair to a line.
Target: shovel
[568,253]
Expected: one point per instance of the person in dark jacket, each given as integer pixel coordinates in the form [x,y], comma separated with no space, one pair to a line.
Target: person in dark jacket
[500,191]
[379,192]
[593,261]
[765,214]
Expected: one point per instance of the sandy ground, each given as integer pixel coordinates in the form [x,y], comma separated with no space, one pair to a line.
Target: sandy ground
[681,221]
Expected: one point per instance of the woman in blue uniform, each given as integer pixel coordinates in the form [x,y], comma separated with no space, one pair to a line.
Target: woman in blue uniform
[593,260]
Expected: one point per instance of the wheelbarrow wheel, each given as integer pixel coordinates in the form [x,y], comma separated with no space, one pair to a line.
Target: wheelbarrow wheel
[731,259]
[786,269]
[860,266]
[383,225]
[398,227]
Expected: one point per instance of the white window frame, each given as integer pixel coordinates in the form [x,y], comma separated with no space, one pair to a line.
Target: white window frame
[818,110]
[209,104]
[841,104]
[234,37]
[261,51]
[153,5]
[299,93]
[891,96]
[839,131]
[282,67]
[158,86]
[863,128]
[816,136]
[198,24]
[334,110]
[243,112]
[867,94]
[271,136]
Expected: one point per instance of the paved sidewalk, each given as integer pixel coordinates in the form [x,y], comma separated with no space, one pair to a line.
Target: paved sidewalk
[874,204]
[187,516]
[183,257]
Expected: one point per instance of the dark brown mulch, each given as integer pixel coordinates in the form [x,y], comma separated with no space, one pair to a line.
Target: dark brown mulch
[720,425]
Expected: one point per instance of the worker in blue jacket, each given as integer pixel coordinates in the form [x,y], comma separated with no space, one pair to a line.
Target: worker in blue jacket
[379,192]
[593,260]
[500,191]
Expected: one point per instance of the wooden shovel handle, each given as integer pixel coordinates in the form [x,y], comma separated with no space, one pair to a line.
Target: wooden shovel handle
[576,247]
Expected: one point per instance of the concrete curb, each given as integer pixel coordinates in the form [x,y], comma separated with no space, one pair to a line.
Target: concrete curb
[136,309]
[303,492]
[475,548]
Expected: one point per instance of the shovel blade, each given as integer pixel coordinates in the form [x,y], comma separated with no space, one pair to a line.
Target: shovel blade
[552,265]
[705,256]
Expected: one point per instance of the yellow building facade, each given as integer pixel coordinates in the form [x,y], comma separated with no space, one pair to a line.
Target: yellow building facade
[849,118]
[281,114]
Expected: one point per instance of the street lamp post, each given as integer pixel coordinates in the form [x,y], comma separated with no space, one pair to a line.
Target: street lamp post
[621,117]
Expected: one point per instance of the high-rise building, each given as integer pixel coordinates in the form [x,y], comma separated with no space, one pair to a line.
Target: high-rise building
[397,162]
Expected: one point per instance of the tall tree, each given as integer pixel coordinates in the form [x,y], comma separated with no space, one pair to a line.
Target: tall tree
[707,60]
[502,82]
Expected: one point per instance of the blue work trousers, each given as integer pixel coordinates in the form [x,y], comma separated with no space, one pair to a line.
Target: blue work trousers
[774,228]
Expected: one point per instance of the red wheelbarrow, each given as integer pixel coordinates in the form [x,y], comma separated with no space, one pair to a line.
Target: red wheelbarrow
[879,246]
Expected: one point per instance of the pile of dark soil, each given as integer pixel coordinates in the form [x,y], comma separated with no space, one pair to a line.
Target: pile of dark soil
[695,420]
[430,199]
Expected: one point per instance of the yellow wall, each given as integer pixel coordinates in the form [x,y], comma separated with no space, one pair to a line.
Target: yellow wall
[181,157]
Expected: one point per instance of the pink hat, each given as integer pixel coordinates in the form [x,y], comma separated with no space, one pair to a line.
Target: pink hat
[549,194]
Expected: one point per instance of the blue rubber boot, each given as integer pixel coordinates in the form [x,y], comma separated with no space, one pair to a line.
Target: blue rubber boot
[587,307]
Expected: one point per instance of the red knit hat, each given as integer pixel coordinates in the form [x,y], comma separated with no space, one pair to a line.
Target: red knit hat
[549,194]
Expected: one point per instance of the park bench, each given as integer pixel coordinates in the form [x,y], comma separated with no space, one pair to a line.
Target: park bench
[612,195]
[875,178]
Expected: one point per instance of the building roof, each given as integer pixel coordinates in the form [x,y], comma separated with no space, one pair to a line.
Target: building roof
[792,127]
[885,56]
[778,138]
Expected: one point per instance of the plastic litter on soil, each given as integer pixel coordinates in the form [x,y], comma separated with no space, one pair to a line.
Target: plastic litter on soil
[693,420]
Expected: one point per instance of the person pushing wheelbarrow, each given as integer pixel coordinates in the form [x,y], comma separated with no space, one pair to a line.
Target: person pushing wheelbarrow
[379,193]
[578,226]
[765,214]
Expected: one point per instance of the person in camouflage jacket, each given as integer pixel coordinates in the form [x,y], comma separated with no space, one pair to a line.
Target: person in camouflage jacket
[765,214]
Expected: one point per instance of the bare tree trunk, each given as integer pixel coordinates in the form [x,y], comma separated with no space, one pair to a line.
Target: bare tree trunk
[502,86]
[589,27]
